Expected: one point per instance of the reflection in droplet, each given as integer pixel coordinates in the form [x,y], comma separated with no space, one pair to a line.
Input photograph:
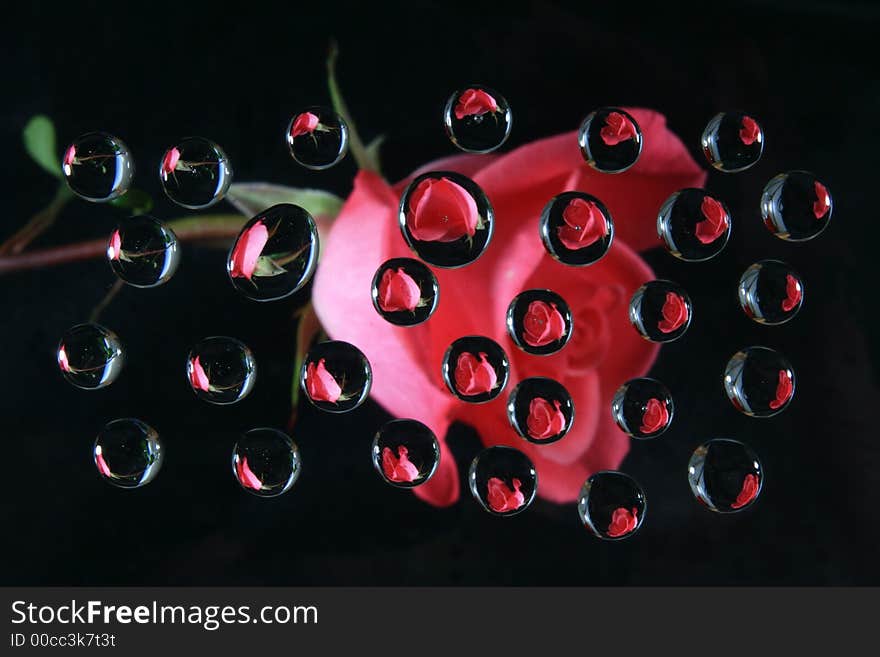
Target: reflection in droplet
[128,453]
[90,356]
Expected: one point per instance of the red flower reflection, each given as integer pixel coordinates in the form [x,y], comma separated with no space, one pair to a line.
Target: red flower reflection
[545,420]
[655,417]
[114,249]
[784,390]
[715,221]
[62,359]
[793,293]
[823,201]
[169,162]
[246,476]
[623,521]
[750,131]
[197,377]
[542,324]
[247,250]
[474,102]
[441,210]
[103,468]
[617,128]
[320,384]
[473,376]
[675,313]
[398,468]
[584,224]
[501,498]
[398,291]
[748,492]
[304,124]
[69,156]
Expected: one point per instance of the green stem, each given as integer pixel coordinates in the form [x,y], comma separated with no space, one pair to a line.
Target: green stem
[38,224]
[366,160]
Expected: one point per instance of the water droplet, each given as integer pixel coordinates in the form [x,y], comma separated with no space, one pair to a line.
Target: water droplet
[98,167]
[128,453]
[610,140]
[796,206]
[643,408]
[405,291]
[576,229]
[540,410]
[446,219]
[275,254]
[661,311]
[477,119]
[143,251]
[725,475]
[503,480]
[317,138]
[336,376]
[266,462]
[693,225]
[195,173]
[771,292]
[90,356]
[539,322]
[612,505]
[759,381]
[405,453]
[221,370]
[733,141]
[475,369]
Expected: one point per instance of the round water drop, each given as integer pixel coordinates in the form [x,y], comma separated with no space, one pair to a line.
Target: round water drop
[477,119]
[759,381]
[771,292]
[317,138]
[610,140]
[98,167]
[336,376]
[195,173]
[90,356]
[405,453]
[475,369]
[693,225]
[275,254]
[405,291]
[266,462]
[540,410]
[576,229]
[539,322]
[221,370]
[612,505]
[725,475]
[128,453]
[643,408]
[796,206]
[446,219]
[503,480]
[733,141]
[143,251]
[661,311]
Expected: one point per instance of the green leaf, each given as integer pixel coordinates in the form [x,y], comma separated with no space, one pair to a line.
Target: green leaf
[307,328]
[252,198]
[135,200]
[40,144]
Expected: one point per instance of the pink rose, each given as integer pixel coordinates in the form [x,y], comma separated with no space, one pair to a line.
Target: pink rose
[114,249]
[247,250]
[320,384]
[793,293]
[399,468]
[501,498]
[545,419]
[675,313]
[474,102]
[246,476]
[617,128]
[823,201]
[542,324]
[398,291]
[169,162]
[747,493]
[69,156]
[749,132]
[474,376]
[784,390]
[197,376]
[584,224]
[655,417]
[714,223]
[406,365]
[441,211]
[304,124]
[623,521]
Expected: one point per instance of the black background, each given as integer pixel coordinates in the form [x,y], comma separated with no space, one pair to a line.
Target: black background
[236,74]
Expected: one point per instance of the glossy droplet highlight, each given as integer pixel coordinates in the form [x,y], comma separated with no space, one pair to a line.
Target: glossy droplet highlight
[725,475]
[336,377]
[539,322]
[610,140]
[759,381]
[405,453]
[503,480]
[405,291]
[612,505]
[446,219]
[477,119]
[90,356]
[693,225]
[660,311]
[475,369]
[540,410]
[221,370]
[643,408]
[143,251]
[275,254]
[796,206]
[576,229]
[266,462]
[195,173]
[317,138]
[771,292]
[128,453]
[733,141]
[98,167]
